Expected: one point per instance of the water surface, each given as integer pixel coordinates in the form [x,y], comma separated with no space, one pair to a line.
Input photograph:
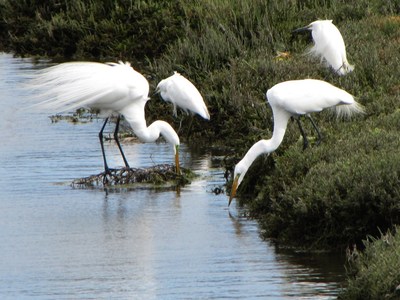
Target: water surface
[58,242]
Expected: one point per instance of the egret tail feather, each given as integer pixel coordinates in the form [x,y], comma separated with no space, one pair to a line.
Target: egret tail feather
[348,110]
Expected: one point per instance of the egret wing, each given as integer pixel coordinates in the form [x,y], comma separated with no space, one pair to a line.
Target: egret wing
[181,92]
[300,97]
[72,85]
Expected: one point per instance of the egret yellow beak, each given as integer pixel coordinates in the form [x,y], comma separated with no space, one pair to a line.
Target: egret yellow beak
[178,168]
[233,189]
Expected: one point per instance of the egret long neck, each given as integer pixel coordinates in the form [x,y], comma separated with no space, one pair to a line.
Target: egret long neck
[281,118]
[135,116]
[267,146]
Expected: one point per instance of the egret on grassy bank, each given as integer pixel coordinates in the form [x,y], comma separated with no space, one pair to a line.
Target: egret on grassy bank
[111,88]
[181,92]
[328,45]
[295,98]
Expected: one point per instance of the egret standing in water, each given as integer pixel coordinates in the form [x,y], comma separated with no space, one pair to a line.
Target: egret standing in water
[111,88]
[295,98]
[181,92]
[328,45]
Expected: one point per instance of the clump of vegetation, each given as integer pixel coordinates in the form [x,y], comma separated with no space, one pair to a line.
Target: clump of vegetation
[374,272]
[325,197]
[163,175]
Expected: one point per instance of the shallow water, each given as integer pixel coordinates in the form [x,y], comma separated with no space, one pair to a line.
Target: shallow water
[58,242]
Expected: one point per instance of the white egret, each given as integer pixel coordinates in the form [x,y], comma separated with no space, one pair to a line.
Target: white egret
[295,98]
[181,92]
[111,88]
[328,45]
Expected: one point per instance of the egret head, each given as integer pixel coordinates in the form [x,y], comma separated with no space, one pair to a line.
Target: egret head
[172,138]
[259,148]
[162,86]
[238,175]
[303,29]
[320,24]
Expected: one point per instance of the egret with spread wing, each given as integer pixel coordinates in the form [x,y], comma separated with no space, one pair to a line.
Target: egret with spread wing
[295,98]
[181,92]
[328,45]
[111,88]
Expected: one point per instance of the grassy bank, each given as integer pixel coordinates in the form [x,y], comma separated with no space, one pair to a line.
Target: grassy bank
[374,273]
[327,197]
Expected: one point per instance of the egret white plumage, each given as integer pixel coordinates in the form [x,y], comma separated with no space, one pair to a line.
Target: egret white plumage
[181,92]
[295,98]
[328,45]
[111,88]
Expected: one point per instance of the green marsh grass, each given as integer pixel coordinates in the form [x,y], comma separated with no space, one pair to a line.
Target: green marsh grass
[373,273]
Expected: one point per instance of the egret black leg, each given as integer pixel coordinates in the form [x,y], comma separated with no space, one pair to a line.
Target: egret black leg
[180,124]
[303,134]
[106,169]
[117,141]
[337,71]
[316,129]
